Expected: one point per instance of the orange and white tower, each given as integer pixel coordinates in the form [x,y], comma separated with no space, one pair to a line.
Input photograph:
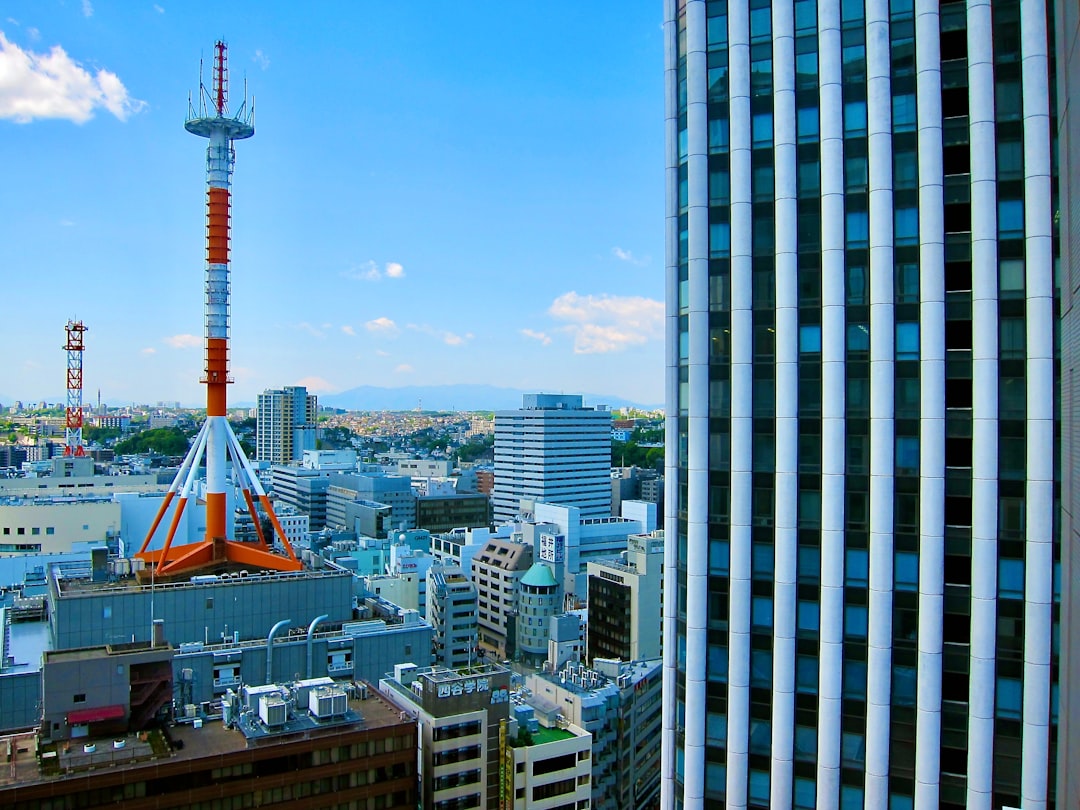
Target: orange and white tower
[73,415]
[216,441]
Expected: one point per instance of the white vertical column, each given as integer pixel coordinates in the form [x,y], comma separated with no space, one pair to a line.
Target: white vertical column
[882,354]
[984,410]
[787,402]
[833,382]
[741,406]
[697,555]
[669,735]
[931,406]
[1038,548]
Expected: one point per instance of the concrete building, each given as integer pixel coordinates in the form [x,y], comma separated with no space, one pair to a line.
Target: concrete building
[546,767]
[52,525]
[497,570]
[539,599]
[862,404]
[566,641]
[459,714]
[305,490]
[287,424]
[443,513]
[424,467]
[343,748]
[394,491]
[451,611]
[625,599]
[555,450]
[619,704]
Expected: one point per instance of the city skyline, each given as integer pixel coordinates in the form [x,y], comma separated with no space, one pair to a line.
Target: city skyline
[427,199]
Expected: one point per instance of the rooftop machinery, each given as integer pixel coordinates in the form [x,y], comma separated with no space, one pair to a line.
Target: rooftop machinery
[216,441]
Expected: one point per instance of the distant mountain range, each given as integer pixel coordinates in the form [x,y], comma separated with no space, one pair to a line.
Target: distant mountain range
[450,398]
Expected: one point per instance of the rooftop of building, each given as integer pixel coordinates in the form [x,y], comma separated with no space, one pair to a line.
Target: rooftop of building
[32,758]
[539,576]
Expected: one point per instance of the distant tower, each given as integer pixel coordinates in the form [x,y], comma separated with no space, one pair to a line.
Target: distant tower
[216,441]
[73,422]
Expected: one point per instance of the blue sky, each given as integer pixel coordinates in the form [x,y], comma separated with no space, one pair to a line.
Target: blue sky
[436,193]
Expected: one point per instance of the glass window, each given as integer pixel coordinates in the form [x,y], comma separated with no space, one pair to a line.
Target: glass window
[806,124]
[806,70]
[809,174]
[854,679]
[761,556]
[761,612]
[898,801]
[854,118]
[717,664]
[718,83]
[716,727]
[1010,219]
[761,129]
[719,187]
[904,682]
[858,228]
[855,621]
[905,170]
[809,508]
[719,239]
[907,226]
[856,174]
[760,22]
[1010,578]
[853,750]
[907,341]
[907,455]
[858,337]
[1010,698]
[806,674]
[682,144]
[856,284]
[907,283]
[805,743]
[808,616]
[719,135]
[1013,338]
[906,571]
[851,797]
[761,668]
[759,787]
[805,14]
[809,564]
[717,32]
[1012,275]
[810,338]
[805,794]
[857,567]
[903,110]
[719,556]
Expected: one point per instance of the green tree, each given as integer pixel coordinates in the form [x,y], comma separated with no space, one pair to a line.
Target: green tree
[168,441]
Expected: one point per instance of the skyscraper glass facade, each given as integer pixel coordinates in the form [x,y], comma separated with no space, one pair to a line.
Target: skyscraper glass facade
[863,404]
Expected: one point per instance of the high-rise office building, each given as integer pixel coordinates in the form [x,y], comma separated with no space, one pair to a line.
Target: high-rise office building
[1067,29]
[863,405]
[555,450]
[287,424]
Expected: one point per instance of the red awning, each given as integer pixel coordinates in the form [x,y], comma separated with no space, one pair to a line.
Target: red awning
[94,715]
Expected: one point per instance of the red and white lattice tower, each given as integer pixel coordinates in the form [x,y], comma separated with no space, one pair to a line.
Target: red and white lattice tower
[73,415]
[216,441]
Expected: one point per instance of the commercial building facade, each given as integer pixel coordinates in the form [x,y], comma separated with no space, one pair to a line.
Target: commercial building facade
[863,405]
[287,424]
[555,450]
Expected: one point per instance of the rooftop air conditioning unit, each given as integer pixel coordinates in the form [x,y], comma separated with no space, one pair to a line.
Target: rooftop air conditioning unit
[326,702]
[273,711]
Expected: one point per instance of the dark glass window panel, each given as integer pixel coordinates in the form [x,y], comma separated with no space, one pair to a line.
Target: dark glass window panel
[958,393]
[956,159]
[958,452]
[958,276]
[954,102]
[958,335]
[953,44]
[958,218]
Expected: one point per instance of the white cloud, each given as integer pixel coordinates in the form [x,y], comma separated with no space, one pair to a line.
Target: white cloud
[404,368]
[314,331]
[53,85]
[369,271]
[382,326]
[87,8]
[381,353]
[317,385]
[149,350]
[158,9]
[449,338]
[261,59]
[608,323]
[627,256]
[66,223]
[183,341]
[540,336]
[348,330]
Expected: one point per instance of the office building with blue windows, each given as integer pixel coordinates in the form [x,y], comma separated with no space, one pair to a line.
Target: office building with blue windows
[863,570]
